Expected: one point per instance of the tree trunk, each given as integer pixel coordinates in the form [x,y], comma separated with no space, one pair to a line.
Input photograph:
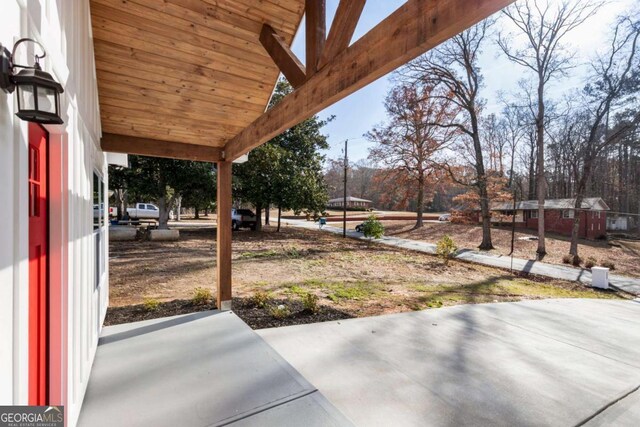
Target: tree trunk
[580,192]
[267,214]
[486,216]
[486,243]
[179,208]
[575,229]
[532,169]
[122,207]
[541,183]
[196,211]
[163,219]
[420,206]
[279,215]
[258,217]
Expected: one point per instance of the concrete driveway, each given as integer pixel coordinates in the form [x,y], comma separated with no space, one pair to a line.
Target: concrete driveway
[534,363]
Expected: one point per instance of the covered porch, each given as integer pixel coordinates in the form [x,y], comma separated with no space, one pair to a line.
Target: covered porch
[191,80]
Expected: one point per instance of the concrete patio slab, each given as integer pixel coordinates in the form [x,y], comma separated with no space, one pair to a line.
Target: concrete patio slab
[201,369]
[550,362]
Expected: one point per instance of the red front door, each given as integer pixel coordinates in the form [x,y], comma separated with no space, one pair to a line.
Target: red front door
[38,265]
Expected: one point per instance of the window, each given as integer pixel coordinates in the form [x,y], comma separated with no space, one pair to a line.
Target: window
[98,226]
[152,208]
[534,214]
[567,213]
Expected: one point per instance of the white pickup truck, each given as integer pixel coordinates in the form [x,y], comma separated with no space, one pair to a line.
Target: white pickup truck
[144,211]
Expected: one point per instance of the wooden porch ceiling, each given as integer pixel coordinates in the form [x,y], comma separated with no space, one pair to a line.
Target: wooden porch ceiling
[174,75]
[186,71]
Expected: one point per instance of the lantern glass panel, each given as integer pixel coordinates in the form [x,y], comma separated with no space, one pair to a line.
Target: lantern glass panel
[46,100]
[26,96]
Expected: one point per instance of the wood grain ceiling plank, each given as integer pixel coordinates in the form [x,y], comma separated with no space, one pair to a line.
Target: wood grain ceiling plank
[107,51]
[244,41]
[216,42]
[151,103]
[168,119]
[177,87]
[115,57]
[163,134]
[130,37]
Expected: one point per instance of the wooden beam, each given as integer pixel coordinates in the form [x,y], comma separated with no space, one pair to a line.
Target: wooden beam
[416,27]
[316,29]
[154,148]
[282,55]
[223,241]
[342,29]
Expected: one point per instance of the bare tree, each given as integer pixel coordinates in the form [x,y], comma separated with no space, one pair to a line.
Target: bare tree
[611,81]
[454,67]
[410,141]
[541,26]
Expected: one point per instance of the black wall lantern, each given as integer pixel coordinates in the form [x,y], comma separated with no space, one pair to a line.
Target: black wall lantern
[38,92]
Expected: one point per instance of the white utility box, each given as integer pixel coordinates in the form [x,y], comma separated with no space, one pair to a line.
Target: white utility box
[600,277]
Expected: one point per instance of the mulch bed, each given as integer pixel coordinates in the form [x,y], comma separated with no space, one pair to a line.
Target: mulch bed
[135,313]
[260,318]
[255,317]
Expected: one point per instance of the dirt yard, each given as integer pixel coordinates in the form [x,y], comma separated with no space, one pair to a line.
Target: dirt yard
[349,277]
[469,237]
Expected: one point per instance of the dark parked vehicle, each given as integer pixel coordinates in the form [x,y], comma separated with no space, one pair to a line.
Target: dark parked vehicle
[243,218]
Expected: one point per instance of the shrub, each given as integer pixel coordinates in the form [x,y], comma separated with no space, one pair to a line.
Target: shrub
[293,253]
[446,249]
[261,299]
[201,296]
[372,228]
[279,312]
[310,303]
[151,304]
[576,261]
[608,264]
[567,258]
[590,262]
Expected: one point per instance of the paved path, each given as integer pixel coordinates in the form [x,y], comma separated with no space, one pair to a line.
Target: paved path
[627,284]
[564,362]
[201,369]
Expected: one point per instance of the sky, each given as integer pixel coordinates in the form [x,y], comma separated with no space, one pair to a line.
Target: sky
[361,111]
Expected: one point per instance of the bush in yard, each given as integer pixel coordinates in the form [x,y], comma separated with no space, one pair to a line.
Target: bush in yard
[590,262]
[608,264]
[446,249]
[576,261]
[201,296]
[310,303]
[260,299]
[372,228]
[279,312]
[567,258]
[151,304]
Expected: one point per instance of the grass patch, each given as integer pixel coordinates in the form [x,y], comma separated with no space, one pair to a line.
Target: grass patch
[438,295]
[297,290]
[259,254]
[358,291]
[337,291]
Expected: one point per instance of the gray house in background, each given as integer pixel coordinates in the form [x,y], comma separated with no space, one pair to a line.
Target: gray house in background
[352,202]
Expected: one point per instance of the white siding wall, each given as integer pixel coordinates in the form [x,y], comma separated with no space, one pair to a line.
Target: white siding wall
[64,29]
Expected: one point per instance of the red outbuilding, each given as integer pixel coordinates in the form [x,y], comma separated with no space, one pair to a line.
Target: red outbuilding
[559,216]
